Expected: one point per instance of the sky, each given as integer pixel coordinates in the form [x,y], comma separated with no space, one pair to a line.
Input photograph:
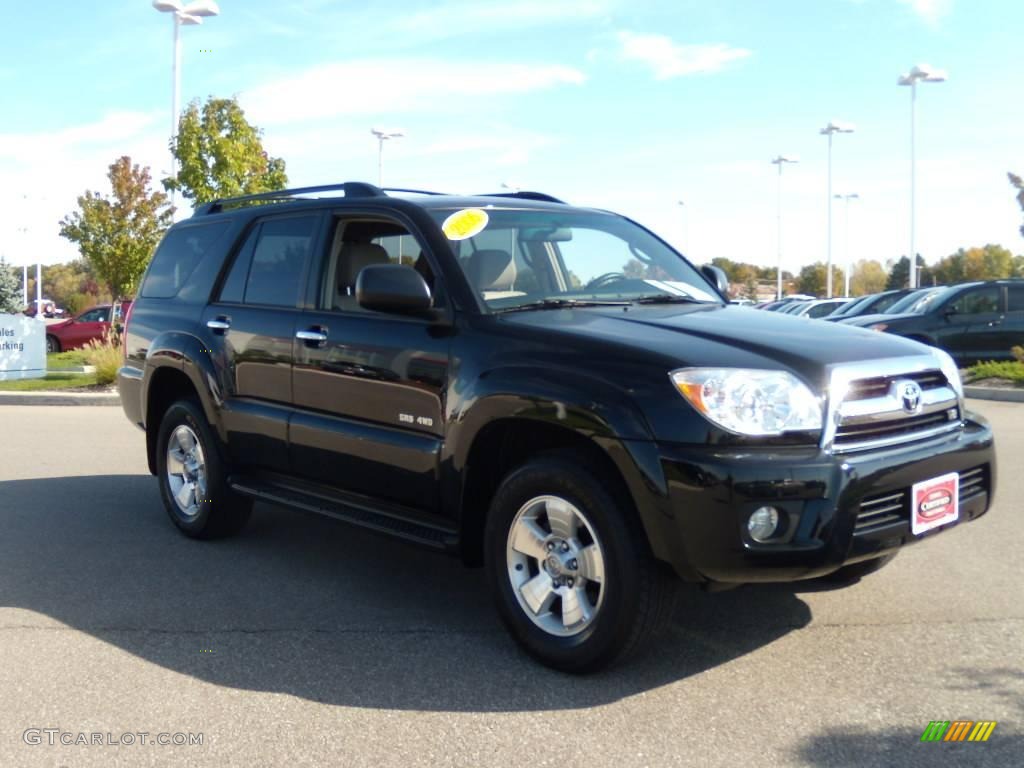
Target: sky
[621,104]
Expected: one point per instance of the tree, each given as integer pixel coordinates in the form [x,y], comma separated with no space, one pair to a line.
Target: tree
[868,276]
[990,262]
[899,274]
[118,233]
[1018,183]
[220,154]
[812,279]
[10,290]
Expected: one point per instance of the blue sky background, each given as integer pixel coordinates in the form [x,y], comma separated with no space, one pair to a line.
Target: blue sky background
[627,105]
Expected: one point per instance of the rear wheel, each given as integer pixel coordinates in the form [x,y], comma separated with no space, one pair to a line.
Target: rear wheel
[52,344]
[572,575]
[193,477]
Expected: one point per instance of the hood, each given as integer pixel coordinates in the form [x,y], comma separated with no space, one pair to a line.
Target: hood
[716,336]
[58,326]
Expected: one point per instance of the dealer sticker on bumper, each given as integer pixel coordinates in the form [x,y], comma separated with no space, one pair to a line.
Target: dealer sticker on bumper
[934,502]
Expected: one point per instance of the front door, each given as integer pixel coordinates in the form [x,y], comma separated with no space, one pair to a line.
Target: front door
[368,387]
[971,331]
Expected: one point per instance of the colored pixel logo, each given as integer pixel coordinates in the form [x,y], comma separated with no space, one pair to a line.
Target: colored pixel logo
[958,730]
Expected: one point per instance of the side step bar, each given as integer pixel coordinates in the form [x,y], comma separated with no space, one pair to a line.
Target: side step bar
[357,511]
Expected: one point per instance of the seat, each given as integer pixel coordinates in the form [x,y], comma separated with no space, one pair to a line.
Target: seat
[352,258]
[492,272]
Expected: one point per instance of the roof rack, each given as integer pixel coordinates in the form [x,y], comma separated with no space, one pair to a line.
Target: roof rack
[525,195]
[350,188]
[412,191]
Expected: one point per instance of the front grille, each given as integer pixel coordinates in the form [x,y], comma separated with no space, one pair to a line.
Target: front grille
[892,507]
[872,415]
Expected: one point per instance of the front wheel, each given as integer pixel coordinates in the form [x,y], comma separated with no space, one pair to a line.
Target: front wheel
[52,345]
[572,575]
[193,477]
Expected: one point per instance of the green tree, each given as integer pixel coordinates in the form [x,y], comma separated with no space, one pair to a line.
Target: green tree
[220,154]
[1018,183]
[10,290]
[118,233]
[989,262]
[812,279]
[899,274]
[868,276]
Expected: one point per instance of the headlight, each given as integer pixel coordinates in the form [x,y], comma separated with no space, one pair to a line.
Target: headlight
[948,367]
[878,326]
[750,402]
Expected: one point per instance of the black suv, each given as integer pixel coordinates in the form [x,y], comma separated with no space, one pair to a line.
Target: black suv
[971,321]
[547,391]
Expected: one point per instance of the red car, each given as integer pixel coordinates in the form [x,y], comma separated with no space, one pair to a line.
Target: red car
[78,331]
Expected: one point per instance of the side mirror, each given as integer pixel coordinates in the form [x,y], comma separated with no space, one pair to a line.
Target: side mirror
[949,311]
[395,288]
[718,278]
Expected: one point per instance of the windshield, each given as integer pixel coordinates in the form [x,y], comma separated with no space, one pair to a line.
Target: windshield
[915,303]
[516,258]
[851,307]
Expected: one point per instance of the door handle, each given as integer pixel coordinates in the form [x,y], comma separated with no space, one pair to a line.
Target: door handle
[219,325]
[313,336]
[994,323]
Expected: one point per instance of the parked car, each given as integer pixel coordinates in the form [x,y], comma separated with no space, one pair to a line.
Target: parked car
[792,307]
[522,398]
[91,325]
[775,306]
[972,321]
[819,308]
[43,307]
[867,305]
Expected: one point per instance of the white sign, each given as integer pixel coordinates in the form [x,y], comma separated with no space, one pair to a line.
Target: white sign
[22,348]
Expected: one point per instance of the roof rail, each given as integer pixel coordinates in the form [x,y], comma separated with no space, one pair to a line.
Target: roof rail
[525,195]
[412,191]
[350,188]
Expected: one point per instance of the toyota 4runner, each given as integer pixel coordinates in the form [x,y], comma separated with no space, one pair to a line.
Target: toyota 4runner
[550,392]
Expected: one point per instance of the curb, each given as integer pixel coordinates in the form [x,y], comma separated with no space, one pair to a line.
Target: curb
[1006,395]
[60,398]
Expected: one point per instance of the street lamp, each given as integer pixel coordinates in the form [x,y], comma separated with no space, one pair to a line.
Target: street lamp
[846,233]
[383,134]
[780,161]
[924,74]
[686,227]
[833,127]
[183,15]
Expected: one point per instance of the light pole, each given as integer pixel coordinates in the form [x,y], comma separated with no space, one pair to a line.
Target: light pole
[383,135]
[846,234]
[780,161]
[686,227]
[924,74]
[187,15]
[833,127]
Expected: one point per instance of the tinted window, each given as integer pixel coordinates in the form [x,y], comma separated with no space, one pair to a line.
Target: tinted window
[233,289]
[1016,298]
[98,315]
[177,257]
[282,248]
[883,303]
[978,301]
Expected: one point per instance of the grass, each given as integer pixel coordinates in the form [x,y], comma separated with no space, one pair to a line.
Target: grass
[1011,370]
[52,380]
[105,354]
[64,359]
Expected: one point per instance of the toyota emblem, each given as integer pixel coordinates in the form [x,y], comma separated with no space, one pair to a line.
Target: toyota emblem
[909,393]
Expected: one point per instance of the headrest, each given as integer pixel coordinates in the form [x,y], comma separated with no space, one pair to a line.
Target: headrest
[355,256]
[492,269]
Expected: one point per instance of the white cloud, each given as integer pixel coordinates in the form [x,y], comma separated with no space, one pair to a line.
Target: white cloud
[390,86]
[668,59]
[930,10]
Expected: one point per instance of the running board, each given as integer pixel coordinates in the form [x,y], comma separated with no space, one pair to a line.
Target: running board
[357,511]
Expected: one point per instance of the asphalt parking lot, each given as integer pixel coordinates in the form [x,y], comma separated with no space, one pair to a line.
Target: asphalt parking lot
[305,642]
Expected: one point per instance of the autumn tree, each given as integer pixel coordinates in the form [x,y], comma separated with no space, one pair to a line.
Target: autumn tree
[220,154]
[989,262]
[813,278]
[1018,184]
[117,233]
[10,290]
[868,276]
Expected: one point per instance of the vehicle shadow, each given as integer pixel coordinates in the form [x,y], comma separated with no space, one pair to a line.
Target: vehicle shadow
[307,606]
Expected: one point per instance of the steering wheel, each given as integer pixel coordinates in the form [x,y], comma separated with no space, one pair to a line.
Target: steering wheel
[606,279]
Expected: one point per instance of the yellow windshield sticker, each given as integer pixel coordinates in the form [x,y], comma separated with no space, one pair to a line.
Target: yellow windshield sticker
[465,223]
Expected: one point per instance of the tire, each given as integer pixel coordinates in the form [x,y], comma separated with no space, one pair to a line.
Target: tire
[553,507]
[856,571]
[205,508]
[52,344]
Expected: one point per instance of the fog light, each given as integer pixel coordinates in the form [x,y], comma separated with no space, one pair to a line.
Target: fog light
[763,524]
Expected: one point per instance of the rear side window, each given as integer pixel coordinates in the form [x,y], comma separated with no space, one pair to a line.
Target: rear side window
[177,257]
[1016,298]
[279,259]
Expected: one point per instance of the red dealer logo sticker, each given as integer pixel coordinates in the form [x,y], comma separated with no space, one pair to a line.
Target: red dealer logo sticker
[935,503]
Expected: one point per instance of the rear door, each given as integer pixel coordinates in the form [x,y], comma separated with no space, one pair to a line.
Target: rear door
[1013,322]
[251,327]
[369,386]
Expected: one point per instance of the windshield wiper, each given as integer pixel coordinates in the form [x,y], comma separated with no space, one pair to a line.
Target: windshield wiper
[669,298]
[564,304]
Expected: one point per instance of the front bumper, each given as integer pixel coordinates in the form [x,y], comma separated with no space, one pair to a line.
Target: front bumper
[712,491]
